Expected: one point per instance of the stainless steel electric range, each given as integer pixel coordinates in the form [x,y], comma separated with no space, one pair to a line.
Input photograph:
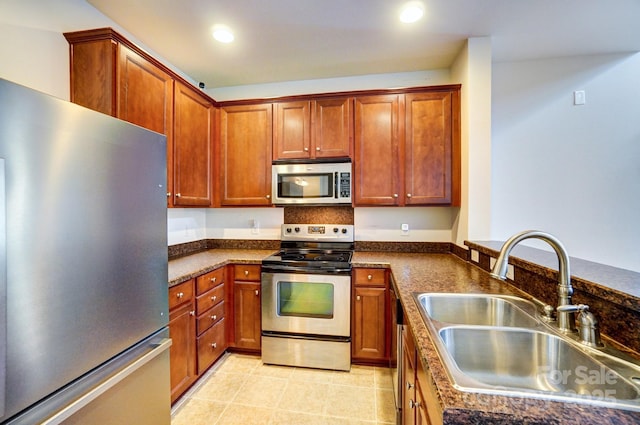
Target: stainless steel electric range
[306,297]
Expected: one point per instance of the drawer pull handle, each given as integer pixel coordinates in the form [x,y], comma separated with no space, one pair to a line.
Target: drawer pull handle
[369,277]
[180,295]
[215,297]
[214,317]
[246,272]
[213,279]
[257,292]
[214,345]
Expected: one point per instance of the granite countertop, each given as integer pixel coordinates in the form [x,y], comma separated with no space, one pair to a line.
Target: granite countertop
[190,266]
[435,273]
[448,273]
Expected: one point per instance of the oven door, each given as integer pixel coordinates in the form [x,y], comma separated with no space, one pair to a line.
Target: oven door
[306,304]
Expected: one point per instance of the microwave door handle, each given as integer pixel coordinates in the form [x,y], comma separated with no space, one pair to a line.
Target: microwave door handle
[335,185]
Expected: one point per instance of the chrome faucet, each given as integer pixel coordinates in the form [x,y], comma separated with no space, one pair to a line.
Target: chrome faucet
[566,317]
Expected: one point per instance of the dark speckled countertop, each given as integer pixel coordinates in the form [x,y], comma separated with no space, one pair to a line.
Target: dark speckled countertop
[436,273]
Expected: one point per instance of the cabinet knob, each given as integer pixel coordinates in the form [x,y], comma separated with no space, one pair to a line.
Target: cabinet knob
[413,404]
[369,277]
[168,194]
[214,317]
[358,298]
[408,195]
[268,196]
[214,279]
[257,292]
[306,149]
[214,345]
[192,313]
[246,272]
[409,385]
[215,297]
[318,149]
[178,195]
[395,195]
[180,295]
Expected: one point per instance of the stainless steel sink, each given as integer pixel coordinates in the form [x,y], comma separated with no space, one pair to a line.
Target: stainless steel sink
[506,359]
[498,344]
[475,309]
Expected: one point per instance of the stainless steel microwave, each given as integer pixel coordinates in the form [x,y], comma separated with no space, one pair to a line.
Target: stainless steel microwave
[312,183]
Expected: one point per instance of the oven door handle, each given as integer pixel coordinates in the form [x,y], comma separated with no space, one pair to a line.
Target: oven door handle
[306,336]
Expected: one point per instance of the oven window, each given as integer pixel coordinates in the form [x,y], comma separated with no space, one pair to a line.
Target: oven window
[305,299]
[305,185]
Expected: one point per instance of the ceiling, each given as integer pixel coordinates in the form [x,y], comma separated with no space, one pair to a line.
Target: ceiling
[288,40]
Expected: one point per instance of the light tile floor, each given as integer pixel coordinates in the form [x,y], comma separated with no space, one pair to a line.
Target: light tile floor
[241,390]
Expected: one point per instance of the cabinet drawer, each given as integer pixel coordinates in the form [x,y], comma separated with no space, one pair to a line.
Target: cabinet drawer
[369,277]
[180,294]
[247,272]
[211,345]
[209,299]
[209,280]
[210,317]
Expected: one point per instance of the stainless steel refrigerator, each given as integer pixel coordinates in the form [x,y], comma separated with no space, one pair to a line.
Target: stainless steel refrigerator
[83,266]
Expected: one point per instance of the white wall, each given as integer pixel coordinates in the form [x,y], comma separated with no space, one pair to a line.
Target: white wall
[472,68]
[573,171]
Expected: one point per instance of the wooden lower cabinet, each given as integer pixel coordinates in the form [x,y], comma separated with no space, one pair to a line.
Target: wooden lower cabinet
[247,307]
[419,400]
[197,328]
[370,331]
[182,330]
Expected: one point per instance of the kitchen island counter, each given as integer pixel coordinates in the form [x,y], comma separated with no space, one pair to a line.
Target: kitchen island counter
[448,273]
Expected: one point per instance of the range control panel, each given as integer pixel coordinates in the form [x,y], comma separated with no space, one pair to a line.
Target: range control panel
[317,232]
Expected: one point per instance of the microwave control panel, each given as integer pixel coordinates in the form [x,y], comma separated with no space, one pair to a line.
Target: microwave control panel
[344,184]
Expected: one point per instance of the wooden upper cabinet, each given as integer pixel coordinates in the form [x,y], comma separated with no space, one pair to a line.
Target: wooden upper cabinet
[313,129]
[428,148]
[193,148]
[145,92]
[377,150]
[245,155]
[292,135]
[332,135]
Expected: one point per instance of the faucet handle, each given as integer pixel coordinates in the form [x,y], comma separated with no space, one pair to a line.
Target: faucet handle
[587,325]
[572,308]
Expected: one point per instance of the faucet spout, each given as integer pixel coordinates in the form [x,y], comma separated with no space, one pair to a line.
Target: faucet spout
[566,319]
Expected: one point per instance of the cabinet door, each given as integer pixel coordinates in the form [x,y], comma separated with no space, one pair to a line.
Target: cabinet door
[369,333]
[332,128]
[292,132]
[408,381]
[193,148]
[377,150]
[182,330]
[245,139]
[145,98]
[428,148]
[247,315]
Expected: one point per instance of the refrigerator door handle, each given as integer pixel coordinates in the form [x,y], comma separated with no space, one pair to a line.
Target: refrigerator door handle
[97,391]
[3,288]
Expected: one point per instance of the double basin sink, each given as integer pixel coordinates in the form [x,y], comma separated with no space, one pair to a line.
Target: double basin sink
[498,344]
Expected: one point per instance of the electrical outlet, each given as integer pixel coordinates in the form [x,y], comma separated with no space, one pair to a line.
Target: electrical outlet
[255,226]
[405,229]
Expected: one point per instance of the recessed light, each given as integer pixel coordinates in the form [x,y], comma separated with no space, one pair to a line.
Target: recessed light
[411,12]
[223,34]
